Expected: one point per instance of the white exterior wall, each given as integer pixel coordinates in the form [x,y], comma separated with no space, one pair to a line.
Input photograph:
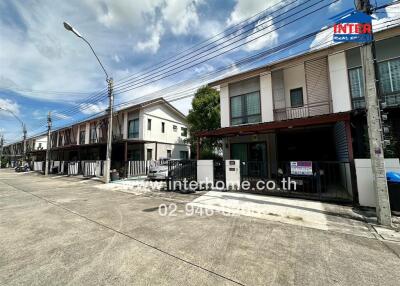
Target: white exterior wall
[340,90]
[224,103]
[294,77]
[365,186]
[158,114]
[267,102]
[42,140]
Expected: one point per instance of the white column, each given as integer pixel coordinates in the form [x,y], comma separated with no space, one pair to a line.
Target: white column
[267,103]
[77,135]
[339,82]
[87,133]
[125,126]
[224,103]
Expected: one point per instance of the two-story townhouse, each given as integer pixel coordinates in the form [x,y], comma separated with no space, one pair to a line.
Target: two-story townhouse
[151,130]
[35,149]
[305,114]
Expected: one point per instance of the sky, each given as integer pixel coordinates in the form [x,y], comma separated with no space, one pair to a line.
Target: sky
[46,68]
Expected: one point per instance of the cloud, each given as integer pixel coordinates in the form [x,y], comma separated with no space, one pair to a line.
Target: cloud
[153,43]
[247,8]
[336,6]
[92,108]
[263,35]
[60,115]
[9,105]
[181,15]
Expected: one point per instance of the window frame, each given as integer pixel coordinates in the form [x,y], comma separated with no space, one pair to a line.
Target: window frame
[184,131]
[148,124]
[360,76]
[147,153]
[291,91]
[184,152]
[134,133]
[244,117]
[387,61]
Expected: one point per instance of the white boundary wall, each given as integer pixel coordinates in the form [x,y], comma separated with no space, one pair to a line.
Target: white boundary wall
[366,193]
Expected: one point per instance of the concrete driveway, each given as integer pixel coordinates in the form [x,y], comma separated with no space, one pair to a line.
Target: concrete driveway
[64,231]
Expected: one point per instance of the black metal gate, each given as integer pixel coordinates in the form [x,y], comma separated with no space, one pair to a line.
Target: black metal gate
[181,173]
[219,171]
[325,180]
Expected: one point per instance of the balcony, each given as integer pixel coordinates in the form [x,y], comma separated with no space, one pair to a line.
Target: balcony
[307,110]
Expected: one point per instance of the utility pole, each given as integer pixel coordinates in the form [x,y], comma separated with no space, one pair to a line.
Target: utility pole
[374,126]
[1,148]
[24,142]
[46,170]
[109,130]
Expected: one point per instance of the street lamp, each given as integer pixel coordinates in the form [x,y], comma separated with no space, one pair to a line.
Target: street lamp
[23,129]
[109,81]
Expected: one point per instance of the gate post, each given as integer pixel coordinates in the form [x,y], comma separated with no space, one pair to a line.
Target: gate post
[232,169]
[205,173]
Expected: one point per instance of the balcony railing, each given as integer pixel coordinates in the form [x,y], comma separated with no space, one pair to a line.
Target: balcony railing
[307,110]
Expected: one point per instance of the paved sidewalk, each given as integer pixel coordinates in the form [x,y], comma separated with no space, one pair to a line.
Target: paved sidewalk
[299,212]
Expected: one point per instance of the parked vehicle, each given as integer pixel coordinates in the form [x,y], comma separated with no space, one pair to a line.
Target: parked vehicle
[23,168]
[159,172]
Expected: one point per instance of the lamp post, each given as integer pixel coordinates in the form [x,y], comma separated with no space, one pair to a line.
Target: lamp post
[109,81]
[23,129]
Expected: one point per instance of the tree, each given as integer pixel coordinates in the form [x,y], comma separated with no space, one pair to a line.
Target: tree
[205,115]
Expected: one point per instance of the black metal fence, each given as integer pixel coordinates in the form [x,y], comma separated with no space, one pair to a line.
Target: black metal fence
[320,180]
[180,171]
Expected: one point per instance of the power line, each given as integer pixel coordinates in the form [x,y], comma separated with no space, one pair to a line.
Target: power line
[88,105]
[157,78]
[184,60]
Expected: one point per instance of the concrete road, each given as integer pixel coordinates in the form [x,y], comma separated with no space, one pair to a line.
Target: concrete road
[64,231]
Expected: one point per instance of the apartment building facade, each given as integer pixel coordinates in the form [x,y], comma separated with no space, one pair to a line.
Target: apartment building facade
[307,110]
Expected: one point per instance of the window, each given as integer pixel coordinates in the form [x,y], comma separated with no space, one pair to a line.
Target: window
[184,154]
[149,154]
[183,131]
[356,80]
[389,75]
[169,154]
[175,128]
[149,124]
[162,127]
[296,97]
[133,128]
[245,108]
[82,136]
[40,146]
[92,133]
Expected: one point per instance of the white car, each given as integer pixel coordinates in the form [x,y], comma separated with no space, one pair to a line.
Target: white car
[159,172]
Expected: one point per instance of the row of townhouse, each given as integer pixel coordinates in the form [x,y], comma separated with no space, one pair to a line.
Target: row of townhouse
[308,108]
[151,130]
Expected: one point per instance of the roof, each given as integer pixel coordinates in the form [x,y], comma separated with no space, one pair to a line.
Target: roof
[275,125]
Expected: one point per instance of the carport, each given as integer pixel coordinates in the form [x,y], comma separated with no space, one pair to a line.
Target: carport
[316,152]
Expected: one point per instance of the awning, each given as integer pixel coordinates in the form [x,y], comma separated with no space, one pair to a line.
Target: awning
[275,125]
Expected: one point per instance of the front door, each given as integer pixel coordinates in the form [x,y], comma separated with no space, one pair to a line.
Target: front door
[253,158]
